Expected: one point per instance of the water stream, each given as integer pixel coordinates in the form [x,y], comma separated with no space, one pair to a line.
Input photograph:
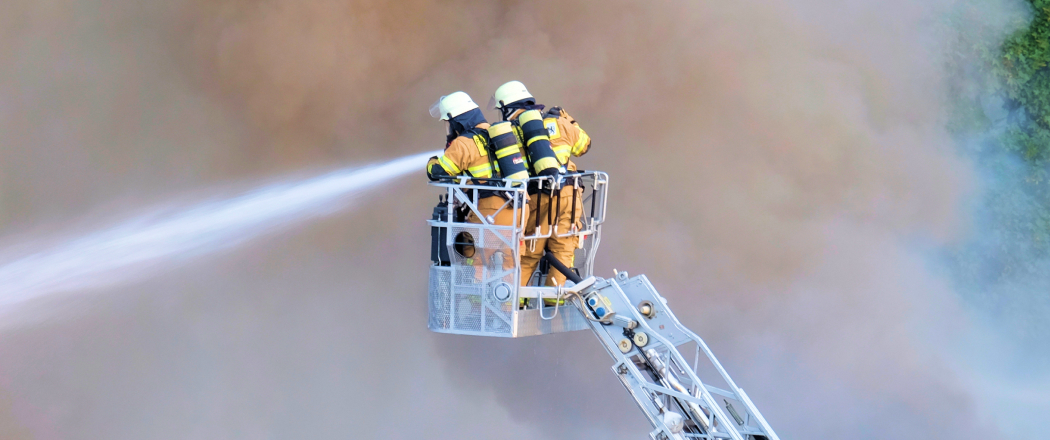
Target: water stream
[135,248]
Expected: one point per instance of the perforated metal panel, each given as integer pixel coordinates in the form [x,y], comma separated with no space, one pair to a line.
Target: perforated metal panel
[440,298]
[482,260]
[477,292]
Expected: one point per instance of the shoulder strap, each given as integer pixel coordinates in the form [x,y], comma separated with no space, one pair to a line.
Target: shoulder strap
[481,139]
[516,123]
[481,142]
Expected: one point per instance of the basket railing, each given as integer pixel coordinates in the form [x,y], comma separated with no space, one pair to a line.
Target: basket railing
[472,296]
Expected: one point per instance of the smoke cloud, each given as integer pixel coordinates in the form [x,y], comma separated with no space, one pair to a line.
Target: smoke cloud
[780,171]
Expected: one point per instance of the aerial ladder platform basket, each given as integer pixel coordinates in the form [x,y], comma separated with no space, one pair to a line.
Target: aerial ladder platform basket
[476,289]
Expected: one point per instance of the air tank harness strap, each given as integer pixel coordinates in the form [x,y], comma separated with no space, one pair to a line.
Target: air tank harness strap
[481,139]
[556,192]
[575,189]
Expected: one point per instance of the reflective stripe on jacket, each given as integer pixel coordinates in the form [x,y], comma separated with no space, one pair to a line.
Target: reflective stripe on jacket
[465,155]
[566,136]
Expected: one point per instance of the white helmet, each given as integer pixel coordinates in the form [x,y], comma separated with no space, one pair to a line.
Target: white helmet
[452,105]
[509,92]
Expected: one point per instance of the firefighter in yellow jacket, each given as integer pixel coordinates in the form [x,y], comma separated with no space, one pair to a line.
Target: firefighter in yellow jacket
[549,140]
[467,146]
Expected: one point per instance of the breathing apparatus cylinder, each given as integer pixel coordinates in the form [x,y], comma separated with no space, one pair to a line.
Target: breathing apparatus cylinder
[538,144]
[507,151]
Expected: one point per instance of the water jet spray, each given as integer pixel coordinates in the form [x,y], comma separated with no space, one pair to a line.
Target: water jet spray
[130,250]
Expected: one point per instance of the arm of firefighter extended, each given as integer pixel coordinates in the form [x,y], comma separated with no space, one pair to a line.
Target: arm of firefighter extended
[578,139]
[434,169]
[452,162]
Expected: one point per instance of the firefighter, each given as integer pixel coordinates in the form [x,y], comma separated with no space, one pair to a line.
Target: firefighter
[467,153]
[550,140]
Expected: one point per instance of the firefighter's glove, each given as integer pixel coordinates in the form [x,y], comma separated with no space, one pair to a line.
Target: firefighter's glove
[558,112]
[434,170]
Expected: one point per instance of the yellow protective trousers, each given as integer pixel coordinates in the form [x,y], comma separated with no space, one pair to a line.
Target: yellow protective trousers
[490,206]
[560,209]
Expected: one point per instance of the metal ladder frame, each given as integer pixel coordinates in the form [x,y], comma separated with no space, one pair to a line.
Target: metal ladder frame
[666,388]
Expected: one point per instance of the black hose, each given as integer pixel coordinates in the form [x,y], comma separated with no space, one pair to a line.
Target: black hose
[550,205]
[572,222]
[539,204]
[594,198]
[557,209]
[569,274]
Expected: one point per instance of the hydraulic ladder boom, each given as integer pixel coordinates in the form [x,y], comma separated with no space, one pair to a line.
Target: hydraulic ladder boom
[643,336]
[475,288]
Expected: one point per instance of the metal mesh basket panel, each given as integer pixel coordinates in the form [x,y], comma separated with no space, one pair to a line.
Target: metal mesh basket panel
[440,295]
[462,297]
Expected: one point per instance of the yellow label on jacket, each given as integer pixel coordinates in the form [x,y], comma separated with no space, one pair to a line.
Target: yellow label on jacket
[551,124]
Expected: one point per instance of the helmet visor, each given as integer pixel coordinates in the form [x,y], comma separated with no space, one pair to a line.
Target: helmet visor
[492,102]
[435,110]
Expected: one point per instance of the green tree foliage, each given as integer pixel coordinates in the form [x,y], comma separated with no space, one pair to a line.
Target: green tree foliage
[1022,68]
[1000,98]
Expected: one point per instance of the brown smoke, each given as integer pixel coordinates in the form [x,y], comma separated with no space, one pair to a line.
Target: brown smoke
[777,167]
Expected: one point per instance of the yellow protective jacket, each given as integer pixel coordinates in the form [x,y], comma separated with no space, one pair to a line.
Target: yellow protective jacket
[567,138]
[465,155]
